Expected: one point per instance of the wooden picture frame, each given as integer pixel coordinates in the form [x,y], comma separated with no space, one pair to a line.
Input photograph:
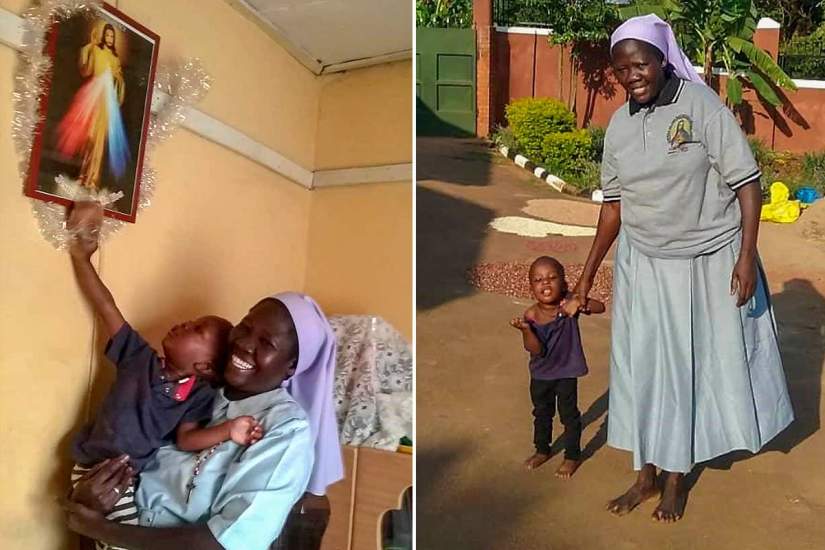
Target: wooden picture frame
[95,108]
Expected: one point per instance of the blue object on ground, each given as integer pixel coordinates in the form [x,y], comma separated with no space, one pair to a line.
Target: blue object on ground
[807,195]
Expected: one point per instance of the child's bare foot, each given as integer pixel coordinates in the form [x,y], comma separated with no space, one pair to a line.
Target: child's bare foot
[644,489]
[672,506]
[536,460]
[567,468]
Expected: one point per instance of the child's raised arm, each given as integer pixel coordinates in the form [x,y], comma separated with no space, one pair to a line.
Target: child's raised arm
[531,341]
[244,430]
[84,220]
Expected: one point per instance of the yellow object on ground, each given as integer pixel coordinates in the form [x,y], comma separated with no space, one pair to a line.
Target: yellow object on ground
[780,209]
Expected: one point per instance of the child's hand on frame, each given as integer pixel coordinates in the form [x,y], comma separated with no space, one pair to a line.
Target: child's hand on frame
[84,244]
[83,222]
[245,430]
[519,323]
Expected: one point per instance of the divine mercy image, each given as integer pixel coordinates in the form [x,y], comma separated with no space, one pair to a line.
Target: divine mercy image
[96,109]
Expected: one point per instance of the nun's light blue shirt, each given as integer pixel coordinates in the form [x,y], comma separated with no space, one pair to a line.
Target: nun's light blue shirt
[243,494]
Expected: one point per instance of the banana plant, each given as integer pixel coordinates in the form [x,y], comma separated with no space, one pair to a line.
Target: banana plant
[721,32]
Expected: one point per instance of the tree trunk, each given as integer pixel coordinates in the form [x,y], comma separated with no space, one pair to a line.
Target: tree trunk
[574,78]
[561,72]
[709,65]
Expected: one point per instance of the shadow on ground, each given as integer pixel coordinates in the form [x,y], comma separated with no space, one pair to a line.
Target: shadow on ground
[441,268]
[458,161]
[594,412]
[446,498]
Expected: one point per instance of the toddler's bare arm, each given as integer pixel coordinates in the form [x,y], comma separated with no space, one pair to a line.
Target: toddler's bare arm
[244,430]
[84,220]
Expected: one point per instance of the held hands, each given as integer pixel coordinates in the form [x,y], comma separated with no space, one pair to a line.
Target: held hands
[578,299]
[743,279]
[245,430]
[83,222]
[571,306]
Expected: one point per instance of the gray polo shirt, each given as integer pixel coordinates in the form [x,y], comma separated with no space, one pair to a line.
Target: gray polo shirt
[675,165]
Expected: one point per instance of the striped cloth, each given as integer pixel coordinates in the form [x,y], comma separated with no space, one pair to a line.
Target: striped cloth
[124,511]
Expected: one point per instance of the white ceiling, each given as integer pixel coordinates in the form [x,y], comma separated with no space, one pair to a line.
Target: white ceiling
[336,35]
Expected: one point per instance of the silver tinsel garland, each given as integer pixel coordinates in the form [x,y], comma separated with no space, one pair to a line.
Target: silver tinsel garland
[178,86]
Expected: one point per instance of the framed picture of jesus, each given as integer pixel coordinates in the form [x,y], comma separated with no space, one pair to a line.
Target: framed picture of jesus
[95,108]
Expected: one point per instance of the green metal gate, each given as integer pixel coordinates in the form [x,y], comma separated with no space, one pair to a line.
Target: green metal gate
[445,82]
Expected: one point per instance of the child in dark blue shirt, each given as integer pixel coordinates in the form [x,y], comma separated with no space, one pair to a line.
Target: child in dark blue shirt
[155,400]
[550,330]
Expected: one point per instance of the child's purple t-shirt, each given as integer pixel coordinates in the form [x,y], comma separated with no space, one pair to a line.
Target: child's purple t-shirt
[561,354]
[140,413]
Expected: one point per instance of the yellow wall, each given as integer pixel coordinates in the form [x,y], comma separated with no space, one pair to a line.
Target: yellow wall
[221,232]
[360,239]
[365,117]
[257,85]
[360,251]
[45,343]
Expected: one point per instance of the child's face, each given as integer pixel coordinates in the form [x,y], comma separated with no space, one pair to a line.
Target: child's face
[191,348]
[546,283]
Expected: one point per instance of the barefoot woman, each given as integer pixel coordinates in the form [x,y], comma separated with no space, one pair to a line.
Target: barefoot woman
[695,370]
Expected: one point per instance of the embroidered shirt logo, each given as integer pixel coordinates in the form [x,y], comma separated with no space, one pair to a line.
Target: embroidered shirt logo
[680,132]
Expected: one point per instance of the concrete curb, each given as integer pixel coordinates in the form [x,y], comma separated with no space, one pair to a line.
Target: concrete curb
[540,172]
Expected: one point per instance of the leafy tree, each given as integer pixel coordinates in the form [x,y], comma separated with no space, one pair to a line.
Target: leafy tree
[720,33]
[444,13]
[723,30]
[579,24]
[798,17]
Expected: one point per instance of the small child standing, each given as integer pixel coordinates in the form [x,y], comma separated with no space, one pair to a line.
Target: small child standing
[550,330]
[154,401]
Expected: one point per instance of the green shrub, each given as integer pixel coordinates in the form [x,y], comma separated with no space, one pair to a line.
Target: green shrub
[766,158]
[763,154]
[503,137]
[597,138]
[587,179]
[567,153]
[795,171]
[531,119]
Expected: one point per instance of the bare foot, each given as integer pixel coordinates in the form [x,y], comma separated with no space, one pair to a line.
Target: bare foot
[536,460]
[672,506]
[567,468]
[644,489]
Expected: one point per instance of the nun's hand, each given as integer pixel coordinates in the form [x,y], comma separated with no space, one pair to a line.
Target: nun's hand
[743,279]
[82,519]
[101,487]
[582,290]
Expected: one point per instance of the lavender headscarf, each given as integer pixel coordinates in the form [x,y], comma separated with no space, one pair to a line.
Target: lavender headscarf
[311,386]
[657,33]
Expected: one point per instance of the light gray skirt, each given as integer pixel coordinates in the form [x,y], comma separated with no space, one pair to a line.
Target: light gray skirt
[692,376]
